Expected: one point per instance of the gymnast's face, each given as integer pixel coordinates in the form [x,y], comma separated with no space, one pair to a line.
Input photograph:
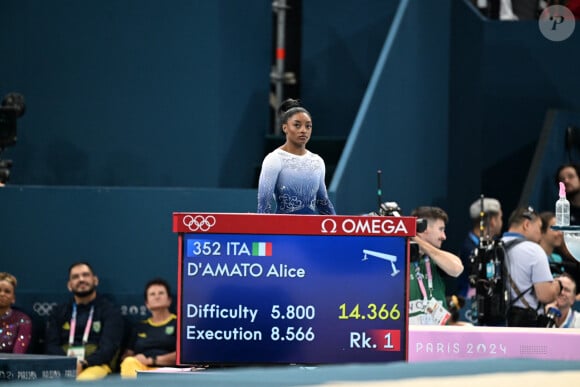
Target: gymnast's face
[298,129]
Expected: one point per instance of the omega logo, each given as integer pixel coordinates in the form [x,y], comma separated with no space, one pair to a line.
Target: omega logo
[328,223]
[369,226]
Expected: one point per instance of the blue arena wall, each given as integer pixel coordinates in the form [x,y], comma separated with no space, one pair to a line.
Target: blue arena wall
[137,92]
[454,109]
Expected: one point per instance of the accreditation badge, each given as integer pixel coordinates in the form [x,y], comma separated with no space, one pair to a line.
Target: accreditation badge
[417,320]
[438,313]
[78,352]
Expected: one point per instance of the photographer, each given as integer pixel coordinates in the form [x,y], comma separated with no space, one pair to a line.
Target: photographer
[529,279]
[427,304]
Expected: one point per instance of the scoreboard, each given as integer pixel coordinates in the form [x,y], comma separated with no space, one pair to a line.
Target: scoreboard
[292,289]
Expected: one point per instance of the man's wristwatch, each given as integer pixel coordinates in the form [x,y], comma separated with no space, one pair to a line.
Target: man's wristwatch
[154,360]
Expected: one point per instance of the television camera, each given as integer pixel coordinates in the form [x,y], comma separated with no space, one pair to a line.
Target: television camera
[488,278]
[393,209]
[488,275]
[11,108]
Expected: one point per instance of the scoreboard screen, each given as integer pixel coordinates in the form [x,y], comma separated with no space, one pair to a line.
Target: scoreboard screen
[311,290]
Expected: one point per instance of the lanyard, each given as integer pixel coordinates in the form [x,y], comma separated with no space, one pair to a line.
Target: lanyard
[569,319]
[474,239]
[73,325]
[420,276]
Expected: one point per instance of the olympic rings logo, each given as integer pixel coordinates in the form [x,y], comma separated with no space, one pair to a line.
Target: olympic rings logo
[43,308]
[199,222]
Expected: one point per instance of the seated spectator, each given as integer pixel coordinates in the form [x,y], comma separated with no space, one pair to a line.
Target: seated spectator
[455,304]
[153,342]
[87,327]
[15,326]
[550,241]
[569,175]
[569,318]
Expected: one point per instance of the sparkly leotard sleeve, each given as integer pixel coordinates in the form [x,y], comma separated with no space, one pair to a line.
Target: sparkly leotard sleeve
[15,332]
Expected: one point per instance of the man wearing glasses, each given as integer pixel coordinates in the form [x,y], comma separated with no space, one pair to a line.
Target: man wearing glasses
[529,279]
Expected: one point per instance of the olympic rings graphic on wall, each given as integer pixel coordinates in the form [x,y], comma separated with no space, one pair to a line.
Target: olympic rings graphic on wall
[43,308]
[199,222]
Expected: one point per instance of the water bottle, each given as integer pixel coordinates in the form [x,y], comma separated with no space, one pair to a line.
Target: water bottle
[562,208]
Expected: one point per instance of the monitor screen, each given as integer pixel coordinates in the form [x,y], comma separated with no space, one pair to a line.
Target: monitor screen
[285,298]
